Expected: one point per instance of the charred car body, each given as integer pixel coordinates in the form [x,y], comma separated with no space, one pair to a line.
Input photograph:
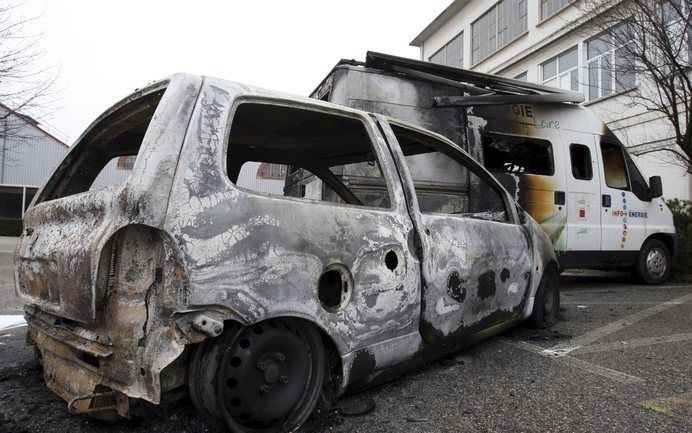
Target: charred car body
[188,278]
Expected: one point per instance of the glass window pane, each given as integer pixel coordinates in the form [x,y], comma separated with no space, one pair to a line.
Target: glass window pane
[455,51]
[569,60]
[580,157]
[593,80]
[512,154]
[564,81]
[624,71]
[484,33]
[11,202]
[598,46]
[511,20]
[549,7]
[614,166]
[438,57]
[524,76]
[549,69]
[574,80]
[606,75]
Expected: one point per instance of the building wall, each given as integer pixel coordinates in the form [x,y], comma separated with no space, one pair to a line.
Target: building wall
[544,39]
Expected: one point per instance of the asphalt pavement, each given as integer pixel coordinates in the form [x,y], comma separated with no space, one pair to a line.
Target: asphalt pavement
[618,361]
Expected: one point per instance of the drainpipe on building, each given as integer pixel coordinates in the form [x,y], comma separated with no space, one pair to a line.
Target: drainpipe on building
[3,149]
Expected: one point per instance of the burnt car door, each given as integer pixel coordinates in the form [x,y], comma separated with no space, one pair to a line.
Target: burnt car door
[476,260]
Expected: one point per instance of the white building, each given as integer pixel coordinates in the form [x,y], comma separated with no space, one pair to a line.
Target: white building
[545,41]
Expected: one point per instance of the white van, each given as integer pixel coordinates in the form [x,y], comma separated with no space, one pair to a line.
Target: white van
[561,162]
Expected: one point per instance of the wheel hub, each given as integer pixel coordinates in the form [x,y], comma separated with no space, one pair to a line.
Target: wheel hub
[264,373]
[656,263]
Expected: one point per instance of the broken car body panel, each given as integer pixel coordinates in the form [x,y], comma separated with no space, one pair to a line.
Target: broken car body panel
[119,281]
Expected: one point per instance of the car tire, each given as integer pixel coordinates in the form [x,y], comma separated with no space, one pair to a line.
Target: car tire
[546,304]
[654,262]
[267,377]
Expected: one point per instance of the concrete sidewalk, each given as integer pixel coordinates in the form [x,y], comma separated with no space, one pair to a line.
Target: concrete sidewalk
[7,244]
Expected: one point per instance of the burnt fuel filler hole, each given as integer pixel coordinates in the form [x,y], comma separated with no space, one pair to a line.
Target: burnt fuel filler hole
[391,260]
[334,289]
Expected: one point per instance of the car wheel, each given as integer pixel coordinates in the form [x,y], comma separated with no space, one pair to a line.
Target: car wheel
[546,304]
[263,378]
[653,265]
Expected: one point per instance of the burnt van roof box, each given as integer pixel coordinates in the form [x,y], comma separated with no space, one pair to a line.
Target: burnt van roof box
[482,89]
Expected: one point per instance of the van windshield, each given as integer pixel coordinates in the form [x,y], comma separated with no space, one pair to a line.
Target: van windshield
[106,154]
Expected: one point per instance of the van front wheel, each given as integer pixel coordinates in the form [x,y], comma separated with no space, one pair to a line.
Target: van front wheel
[653,265]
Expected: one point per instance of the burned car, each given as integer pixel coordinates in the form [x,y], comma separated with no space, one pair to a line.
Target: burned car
[266,253]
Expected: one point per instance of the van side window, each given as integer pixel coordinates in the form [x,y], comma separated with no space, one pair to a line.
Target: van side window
[297,152]
[446,185]
[639,186]
[513,154]
[580,156]
[614,166]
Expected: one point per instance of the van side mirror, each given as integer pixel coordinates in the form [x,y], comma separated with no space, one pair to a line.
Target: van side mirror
[655,187]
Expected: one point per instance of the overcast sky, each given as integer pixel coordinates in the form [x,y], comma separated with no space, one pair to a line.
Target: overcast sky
[105,50]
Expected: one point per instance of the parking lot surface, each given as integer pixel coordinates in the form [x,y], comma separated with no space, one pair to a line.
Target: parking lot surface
[618,360]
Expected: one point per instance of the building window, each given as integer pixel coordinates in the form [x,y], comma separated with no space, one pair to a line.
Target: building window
[268,170]
[452,54]
[503,23]
[678,28]
[609,68]
[126,162]
[549,7]
[524,76]
[562,71]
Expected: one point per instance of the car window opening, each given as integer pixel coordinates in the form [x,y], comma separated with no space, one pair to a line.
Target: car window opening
[106,155]
[296,152]
[453,188]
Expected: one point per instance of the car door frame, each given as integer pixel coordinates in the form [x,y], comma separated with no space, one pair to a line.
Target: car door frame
[435,334]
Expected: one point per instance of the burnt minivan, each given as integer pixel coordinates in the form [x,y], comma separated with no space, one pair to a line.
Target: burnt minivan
[244,264]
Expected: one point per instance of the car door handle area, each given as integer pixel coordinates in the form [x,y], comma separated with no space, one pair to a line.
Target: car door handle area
[605,200]
[560,198]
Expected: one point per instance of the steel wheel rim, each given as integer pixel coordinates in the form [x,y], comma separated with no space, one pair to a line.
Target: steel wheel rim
[656,263]
[267,377]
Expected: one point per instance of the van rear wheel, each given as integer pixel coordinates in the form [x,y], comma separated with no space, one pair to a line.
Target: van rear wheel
[263,378]
[653,265]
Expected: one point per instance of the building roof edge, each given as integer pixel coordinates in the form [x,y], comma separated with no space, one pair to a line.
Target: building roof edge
[438,22]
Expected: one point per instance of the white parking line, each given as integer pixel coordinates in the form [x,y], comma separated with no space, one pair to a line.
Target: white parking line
[629,344]
[577,363]
[11,321]
[598,333]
